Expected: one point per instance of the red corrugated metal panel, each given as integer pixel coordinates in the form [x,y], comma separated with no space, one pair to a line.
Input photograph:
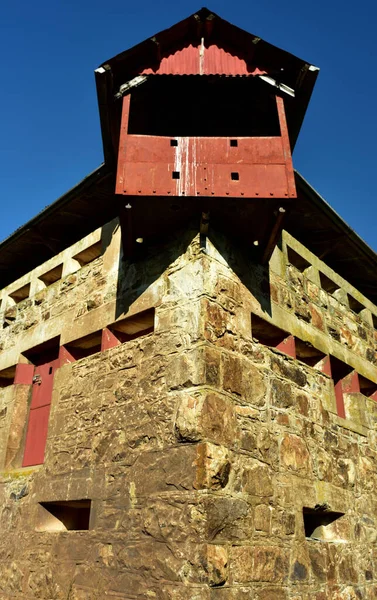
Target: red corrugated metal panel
[182,62]
[218,61]
[203,60]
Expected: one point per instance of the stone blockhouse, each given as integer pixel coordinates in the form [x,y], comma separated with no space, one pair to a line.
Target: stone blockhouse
[188,366]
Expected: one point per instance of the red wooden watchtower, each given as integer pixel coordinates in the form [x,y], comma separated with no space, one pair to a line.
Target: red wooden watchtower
[203,117]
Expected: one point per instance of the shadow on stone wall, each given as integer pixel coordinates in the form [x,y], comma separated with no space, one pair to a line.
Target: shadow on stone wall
[149,262]
[245,263]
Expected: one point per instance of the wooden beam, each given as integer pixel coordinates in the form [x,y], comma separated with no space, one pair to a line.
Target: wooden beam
[275,232]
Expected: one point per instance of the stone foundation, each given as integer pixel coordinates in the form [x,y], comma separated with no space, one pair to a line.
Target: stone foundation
[212,462]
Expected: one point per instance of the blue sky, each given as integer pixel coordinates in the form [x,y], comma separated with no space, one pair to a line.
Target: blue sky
[50,133]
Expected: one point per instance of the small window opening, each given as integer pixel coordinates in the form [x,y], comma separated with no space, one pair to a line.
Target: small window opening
[85,346]
[176,175]
[52,276]
[174,142]
[7,376]
[72,515]
[43,353]
[367,387]
[245,108]
[89,254]
[354,304]
[339,369]
[21,294]
[374,321]
[297,260]
[328,284]
[234,143]
[235,176]
[318,522]
[265,333]
[307,354]
[134,327]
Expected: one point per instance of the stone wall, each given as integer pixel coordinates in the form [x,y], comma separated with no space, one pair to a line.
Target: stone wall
[207,456]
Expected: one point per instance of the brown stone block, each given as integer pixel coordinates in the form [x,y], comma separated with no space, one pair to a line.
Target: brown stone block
[300,564]
[262,518]
[182,592]
[212,467]
[216,320]
[232,593]
[347,570]
[282,395]
[206,416]
[242,378]
[212,366]
[294,455]
[241,564]
[256,480]
[269,564]
[216,565]
[164,471]
[172,519]
[317,318]
[288,368]
[271,593]
[227,518]
[186,370]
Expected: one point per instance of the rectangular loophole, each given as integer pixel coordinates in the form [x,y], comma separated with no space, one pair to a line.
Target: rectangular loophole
[319,523]
[7,376]
[265,333]
[21,294]
[367,387]
[134,327]
[297,260]
[374,321]
[354,304]
[52,276]
[45,352]
[234,143]
[174,142]
[306,353]
[176,175]
[71,515]
[89,254]
[328,284]
[85,346]
[235,176]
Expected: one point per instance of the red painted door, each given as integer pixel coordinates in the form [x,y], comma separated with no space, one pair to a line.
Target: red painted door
[36,435]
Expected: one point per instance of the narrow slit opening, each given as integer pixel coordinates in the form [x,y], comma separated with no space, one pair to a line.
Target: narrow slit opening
[71,515]
[85,346]
[354,304]
[133,327]
[89,254]
[297,260]
[7,376]
[328,284]
[21,294]
[52,276]
[306,353]
[319,523]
